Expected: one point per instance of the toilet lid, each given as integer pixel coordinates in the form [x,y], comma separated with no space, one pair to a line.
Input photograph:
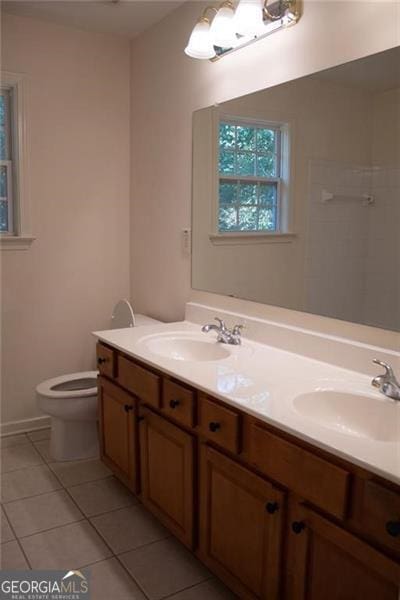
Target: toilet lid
[73,385]
[122,315]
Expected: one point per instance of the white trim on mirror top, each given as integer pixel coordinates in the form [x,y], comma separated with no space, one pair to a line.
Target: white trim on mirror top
[20,238]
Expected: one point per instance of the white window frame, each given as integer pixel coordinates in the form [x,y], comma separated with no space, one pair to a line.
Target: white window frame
[282,234]
[20,238]
[9,198]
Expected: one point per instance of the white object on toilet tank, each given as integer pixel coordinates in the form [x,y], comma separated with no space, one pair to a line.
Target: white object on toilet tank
[123,316]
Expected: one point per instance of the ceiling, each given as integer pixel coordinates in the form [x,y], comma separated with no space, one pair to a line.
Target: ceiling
[122,17]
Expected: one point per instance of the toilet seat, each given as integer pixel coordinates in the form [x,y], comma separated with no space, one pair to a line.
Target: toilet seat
[47,388]
[123,315]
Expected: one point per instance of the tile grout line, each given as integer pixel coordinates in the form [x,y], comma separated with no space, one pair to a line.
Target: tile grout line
[189,587]
[17,540]
[106,512]
[132,577]
[65,488]
[20,468]
[83,482]
[27,466]
[42,464]
[7,502]
[124,568]
[142,546]
[113,554]
[24,537]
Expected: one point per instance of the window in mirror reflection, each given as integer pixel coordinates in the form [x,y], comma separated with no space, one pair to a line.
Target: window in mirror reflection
[249,176]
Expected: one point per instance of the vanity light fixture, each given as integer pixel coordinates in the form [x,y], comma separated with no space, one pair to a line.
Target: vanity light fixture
[222,32]
[249,17]
[200,44]
[223,29]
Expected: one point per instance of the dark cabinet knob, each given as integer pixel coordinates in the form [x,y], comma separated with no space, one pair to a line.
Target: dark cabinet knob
[101,360]
[214,426]
[298,526]
[174,403]
[128,407]
[140,418]
[393,528]
[272,507]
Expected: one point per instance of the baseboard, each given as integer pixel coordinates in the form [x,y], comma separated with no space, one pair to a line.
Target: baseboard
[24,425]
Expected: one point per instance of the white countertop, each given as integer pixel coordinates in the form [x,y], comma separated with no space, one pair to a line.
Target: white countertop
[264,381]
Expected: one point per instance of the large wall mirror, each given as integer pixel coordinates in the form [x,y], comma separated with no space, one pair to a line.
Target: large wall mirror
[296,194]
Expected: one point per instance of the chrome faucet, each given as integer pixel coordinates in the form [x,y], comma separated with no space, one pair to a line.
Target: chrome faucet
[224,334]
[387,383]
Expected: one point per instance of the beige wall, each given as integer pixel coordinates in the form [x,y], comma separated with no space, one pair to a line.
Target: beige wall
[167,87]
[65,285]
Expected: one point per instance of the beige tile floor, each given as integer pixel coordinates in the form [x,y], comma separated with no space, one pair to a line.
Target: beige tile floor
[73,515]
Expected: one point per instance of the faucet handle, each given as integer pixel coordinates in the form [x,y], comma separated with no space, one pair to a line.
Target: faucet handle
[388,368]
[221,323]
[237,329]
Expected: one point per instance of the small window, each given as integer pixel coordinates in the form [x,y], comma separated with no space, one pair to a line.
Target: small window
[15,210]
[6,163]
[249,177]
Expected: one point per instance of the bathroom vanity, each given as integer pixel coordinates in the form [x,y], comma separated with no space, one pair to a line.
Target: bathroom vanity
[213,448]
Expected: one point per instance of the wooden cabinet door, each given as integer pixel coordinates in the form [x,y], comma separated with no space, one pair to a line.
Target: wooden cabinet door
[167,482]
[241,519]
[118,432]
[326,562]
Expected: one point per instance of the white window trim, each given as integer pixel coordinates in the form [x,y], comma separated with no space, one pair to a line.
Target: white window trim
[285,235]
[22,237]
[9,187]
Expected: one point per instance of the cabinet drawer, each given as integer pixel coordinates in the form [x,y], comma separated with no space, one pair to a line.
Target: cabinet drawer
[105,360]
[309,476]
[380,516]
[219,424]
[178,402]
[139,381]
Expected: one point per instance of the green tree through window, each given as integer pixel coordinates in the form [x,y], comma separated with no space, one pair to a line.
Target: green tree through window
[249,172]
[5,161]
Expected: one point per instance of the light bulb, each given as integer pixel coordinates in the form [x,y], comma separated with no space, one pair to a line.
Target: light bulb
[222,32]
[249,17]
[200,44]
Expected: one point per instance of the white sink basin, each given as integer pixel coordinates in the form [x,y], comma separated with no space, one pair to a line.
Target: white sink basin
[186,347]
[352,414]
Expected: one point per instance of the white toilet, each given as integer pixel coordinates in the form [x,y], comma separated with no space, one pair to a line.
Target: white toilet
[71,400]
